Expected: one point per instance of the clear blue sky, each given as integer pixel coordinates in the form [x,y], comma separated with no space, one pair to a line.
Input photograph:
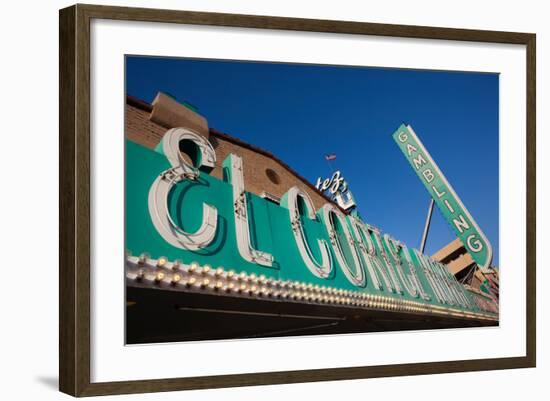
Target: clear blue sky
[302,112]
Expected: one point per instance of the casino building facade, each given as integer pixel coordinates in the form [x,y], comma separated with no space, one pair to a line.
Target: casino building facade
[195,287]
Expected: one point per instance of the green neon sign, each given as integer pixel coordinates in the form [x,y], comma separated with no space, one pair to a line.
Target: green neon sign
[176,211]
[454,211]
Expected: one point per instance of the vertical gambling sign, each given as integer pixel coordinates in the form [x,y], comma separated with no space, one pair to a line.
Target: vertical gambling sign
[452,208]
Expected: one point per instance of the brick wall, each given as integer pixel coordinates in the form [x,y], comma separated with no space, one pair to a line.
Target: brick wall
[139,129]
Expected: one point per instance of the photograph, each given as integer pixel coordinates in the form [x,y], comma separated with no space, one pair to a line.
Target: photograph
[276,199]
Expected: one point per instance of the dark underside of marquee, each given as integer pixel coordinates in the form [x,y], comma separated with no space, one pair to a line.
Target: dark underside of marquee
[156,315]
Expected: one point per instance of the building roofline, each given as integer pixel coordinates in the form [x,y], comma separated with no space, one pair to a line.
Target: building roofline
[142,105]
[138,103]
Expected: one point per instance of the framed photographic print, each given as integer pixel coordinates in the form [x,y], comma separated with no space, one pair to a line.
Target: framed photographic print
[252,200]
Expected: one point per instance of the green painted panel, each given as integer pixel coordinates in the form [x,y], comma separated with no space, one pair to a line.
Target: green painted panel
[270,228]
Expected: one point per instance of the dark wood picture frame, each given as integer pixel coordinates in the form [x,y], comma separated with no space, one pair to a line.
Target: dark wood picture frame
[74,199]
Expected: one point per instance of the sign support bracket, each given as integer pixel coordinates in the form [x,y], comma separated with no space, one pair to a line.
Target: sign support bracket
[427,225]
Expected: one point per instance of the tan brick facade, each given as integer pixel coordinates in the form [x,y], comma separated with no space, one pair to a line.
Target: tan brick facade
[139,129]
[263,172]
[459,262]
[455,256]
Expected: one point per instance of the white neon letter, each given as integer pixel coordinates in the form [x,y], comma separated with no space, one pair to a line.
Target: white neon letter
[408,279]
[290,201]
[180,171]
[233,165]
[329,213]
[368,252]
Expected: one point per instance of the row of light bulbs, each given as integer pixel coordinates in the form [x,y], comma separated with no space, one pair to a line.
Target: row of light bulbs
[195,277]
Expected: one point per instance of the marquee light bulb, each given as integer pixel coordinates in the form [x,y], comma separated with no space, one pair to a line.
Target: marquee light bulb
[193,267]
[176,265]
[161,262]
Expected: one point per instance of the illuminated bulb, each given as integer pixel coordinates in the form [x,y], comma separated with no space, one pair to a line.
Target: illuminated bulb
[205,282]
[191,281]
[242,276]
[159,276]
[161,262]
[219,285]
[206,269]
[193,267]
[262,279]
[230,287]
[176,278]
[219,271]
[242,287]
